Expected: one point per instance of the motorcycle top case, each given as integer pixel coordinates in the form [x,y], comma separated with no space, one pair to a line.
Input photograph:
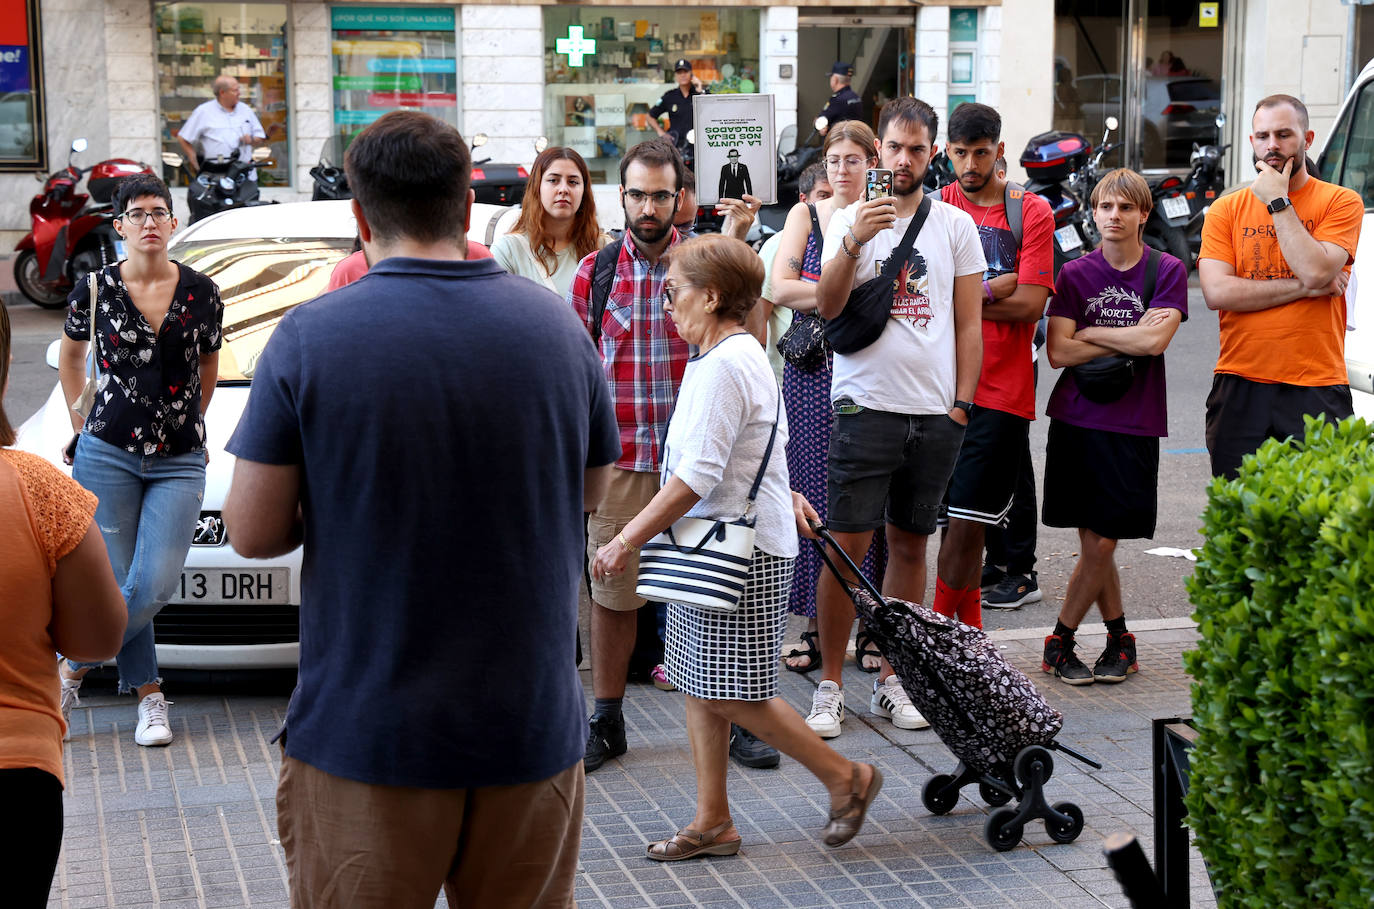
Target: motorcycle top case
[105,175]
[1054,155]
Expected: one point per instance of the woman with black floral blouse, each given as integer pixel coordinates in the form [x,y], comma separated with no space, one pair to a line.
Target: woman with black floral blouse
[142,448]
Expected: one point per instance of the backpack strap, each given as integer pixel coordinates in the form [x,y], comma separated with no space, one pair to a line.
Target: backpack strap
[1014,196]
[1151,274]
[603,276]
[815,226]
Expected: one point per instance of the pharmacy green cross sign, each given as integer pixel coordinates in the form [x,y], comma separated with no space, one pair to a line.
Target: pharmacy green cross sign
[575,45]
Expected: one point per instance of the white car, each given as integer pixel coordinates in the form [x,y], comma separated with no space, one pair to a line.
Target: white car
[1347,158]
[230,612]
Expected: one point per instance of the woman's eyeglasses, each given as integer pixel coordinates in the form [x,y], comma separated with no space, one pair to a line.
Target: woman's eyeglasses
[670,292]
[136,216]
[851,162]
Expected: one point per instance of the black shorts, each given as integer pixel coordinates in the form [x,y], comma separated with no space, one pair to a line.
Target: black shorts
[984,479]
[1106,482]
[1242,413]
[889,467]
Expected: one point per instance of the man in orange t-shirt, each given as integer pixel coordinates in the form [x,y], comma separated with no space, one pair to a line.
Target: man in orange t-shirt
[1275,262]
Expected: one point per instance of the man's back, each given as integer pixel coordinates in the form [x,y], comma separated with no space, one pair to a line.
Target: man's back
[446,412]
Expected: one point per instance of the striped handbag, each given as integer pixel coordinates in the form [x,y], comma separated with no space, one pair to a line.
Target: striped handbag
[703,562]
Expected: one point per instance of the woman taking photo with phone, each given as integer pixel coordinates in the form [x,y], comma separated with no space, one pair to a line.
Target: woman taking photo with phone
[141,449]
[557,225]
[721,460]
[850,148]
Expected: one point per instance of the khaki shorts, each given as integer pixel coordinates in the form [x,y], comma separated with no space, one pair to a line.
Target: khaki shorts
[351,845]
[628,493]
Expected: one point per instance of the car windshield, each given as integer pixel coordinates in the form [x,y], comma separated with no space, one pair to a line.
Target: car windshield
[259,280]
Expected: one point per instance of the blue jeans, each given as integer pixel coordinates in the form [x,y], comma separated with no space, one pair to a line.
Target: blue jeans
[147,514]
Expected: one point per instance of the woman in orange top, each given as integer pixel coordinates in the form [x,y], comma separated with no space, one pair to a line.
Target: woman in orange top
[57,592]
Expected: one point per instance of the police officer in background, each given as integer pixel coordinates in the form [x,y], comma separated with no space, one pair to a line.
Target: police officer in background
[844,104]
[677,104]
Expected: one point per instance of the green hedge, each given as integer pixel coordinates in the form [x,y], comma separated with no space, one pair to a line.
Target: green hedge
[1282,781]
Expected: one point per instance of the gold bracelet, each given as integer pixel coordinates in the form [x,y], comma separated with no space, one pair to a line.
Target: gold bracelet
[626,543]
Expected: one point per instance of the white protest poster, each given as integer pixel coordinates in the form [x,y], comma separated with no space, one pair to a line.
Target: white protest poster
[735,147]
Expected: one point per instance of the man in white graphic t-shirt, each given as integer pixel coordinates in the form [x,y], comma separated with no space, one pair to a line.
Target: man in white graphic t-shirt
[901,403]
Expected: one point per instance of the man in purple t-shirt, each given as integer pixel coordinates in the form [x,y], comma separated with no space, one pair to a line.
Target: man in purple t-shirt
[1102,458]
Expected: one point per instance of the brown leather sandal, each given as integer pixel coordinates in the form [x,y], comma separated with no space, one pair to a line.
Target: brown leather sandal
[686,844]
[846,821]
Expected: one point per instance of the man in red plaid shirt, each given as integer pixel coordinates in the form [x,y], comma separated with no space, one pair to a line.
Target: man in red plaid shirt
[644,360]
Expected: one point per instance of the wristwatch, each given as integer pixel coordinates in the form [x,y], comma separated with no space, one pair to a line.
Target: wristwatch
[1278,205]
[965,406]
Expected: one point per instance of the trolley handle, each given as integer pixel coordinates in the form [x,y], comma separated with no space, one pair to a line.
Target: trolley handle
[824,533]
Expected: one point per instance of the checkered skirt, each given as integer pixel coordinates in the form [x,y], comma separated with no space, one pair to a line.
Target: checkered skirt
[733,656]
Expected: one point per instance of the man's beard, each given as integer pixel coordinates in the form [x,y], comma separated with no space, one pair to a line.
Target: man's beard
[648,236]
[916,184]
[983,181]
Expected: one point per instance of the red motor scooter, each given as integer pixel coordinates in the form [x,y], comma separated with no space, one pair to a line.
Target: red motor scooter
[70,238]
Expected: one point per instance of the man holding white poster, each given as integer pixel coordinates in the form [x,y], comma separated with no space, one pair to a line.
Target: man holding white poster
[735,142]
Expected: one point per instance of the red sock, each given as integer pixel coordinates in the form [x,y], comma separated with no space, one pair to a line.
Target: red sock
[971,607]
[946,598]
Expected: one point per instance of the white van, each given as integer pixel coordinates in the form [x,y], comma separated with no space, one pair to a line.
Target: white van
[1347,158]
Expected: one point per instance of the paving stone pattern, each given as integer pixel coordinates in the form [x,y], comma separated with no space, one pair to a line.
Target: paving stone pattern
[194,824]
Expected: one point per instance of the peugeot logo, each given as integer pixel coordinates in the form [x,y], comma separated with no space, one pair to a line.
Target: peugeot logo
[209,530]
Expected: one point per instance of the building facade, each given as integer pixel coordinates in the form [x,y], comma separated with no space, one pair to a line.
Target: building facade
[125,73]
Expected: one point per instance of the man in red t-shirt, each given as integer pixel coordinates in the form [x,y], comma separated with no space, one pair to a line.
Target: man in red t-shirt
[1019,280]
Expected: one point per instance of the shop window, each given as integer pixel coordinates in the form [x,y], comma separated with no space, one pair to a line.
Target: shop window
[604,68]
[197,42]
[391,58]
[22,141]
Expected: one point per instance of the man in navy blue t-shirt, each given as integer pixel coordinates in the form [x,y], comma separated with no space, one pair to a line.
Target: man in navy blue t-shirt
[433,432]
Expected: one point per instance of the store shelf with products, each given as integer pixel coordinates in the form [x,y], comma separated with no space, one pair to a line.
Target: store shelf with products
[197,42]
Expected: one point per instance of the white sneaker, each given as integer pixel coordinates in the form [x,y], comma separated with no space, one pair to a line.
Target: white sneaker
[153,725]
[827,710]
[891,702]
[71,697]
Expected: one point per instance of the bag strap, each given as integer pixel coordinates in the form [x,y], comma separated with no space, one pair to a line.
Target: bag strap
[1014,199]
[603,276]
[903,250]
[1151,274]
[815,226]
[767,456]
[93,288]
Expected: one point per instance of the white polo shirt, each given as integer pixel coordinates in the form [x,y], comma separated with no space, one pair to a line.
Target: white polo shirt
[219,131]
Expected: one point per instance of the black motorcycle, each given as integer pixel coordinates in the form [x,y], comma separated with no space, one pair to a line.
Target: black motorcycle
[1166,229]
[331,180]
[791,162]
[1205,182]
[1061,169]
[221,184]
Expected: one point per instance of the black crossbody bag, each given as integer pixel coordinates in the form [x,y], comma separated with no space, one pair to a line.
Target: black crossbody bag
[1107,378]
[864,317]
[803,344]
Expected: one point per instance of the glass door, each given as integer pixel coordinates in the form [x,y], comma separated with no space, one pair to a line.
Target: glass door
[1176,81]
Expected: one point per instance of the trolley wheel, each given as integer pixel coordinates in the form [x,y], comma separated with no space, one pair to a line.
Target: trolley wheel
[1002,829]
[992,795]
[1025,762]
[939,794]
[1065,833]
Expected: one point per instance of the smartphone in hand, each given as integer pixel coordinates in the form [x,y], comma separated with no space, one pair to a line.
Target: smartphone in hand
[877,183]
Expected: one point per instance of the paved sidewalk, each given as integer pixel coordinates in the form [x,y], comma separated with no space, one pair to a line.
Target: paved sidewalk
[193,824]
